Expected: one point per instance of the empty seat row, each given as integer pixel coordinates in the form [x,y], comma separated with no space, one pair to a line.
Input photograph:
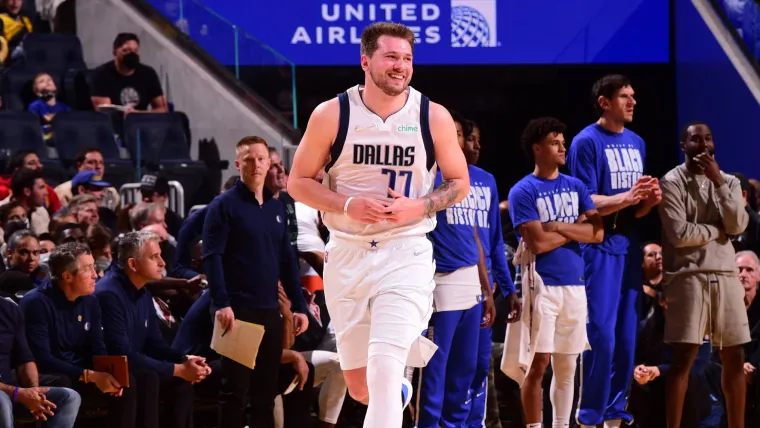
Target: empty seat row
[151,138]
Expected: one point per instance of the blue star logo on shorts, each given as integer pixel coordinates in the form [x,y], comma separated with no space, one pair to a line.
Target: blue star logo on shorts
[373,244]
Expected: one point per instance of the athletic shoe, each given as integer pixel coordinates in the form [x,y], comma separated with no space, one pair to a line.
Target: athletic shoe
[406,393]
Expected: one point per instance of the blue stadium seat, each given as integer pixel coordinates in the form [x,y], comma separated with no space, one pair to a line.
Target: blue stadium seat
[21,130]
[17,88]
[77,130]
[52,52]
[161,137]
[76,86]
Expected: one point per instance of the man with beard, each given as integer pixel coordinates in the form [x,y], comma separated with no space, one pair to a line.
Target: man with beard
[609,160]
[701,208]
[126,82]
[383,140]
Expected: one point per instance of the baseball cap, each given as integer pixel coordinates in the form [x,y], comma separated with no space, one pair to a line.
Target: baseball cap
[89,178]
[154,183]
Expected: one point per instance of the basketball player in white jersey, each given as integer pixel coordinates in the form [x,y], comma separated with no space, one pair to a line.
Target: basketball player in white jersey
[384,140]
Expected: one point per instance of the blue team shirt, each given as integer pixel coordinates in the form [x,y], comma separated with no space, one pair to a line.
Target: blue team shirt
[489,232]
[454,236]
[608,163]
[562,199]
[42,109]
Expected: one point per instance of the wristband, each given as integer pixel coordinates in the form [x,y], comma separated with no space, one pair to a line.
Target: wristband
[15,394]
[86,376]
[345,206]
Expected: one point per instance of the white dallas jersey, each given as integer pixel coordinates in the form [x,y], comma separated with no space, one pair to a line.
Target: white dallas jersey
[370,155]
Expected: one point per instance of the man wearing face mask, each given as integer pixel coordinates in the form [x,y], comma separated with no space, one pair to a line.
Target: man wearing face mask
[126,82]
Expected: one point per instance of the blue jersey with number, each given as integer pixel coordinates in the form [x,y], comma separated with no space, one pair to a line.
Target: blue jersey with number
[562,199]
[371,155]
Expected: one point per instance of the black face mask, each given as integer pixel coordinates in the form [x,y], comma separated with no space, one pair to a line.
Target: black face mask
[130,60]
[47,95]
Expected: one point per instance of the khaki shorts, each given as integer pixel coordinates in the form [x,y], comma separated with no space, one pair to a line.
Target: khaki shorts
[701,304]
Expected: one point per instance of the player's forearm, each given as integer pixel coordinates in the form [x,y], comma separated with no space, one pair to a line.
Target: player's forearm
[485,284]
[581,232]
[308,191]
[607,205]
[27,375]
[450,192]
[546,242]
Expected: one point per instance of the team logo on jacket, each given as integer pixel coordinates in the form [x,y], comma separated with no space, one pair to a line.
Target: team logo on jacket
[86,326]
[279,219]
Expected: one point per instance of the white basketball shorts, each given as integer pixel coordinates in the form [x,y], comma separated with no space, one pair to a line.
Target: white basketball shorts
[563,313]
[378,291]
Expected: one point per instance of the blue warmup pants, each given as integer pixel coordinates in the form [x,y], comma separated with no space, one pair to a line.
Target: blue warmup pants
[479,389]
[613,289]
[446,380]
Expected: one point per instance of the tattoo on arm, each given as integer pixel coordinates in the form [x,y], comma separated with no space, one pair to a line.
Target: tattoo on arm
[441,198]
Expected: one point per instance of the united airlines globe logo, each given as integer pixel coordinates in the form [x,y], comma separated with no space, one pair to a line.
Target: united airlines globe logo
[469,28]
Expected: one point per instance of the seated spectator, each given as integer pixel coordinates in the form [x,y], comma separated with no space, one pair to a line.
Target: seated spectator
[151,217]
[10,228]
[99,241]
[24,249]
[62,216]
[58,406]
[126,82]
[89,183]
[63,328]
[130,329]
[47,243]
[12,211]
[14,285]
[155,188]
[89,159]
[27,159]
[750,238]
[749,275]
[13,28]
[85,210]
[70,232]
[29,190]
[46,106]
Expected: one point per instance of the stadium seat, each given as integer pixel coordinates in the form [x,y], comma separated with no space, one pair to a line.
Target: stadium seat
[77,130]
[20,130]
[76,85]
[17,88]
[52,52]
[157,136]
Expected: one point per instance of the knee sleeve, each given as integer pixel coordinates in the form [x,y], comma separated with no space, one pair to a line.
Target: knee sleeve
[385,369]
[562,388]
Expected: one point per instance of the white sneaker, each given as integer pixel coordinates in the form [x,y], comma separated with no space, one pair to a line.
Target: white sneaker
[406,393]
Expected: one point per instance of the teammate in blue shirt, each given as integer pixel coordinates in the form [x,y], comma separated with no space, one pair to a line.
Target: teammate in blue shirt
[609,160]
[491,239]
[552,212]
[461,283]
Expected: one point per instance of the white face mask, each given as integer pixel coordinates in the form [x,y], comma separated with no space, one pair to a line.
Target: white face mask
[102,264]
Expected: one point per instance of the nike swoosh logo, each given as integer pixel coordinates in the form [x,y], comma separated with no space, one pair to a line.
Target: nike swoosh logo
[417,253]
[363,128]
[479,394]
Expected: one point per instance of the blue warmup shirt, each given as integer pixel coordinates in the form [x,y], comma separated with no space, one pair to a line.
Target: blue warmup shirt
[130,325]
[609,163]
[246,251]
[14,350]
[42,110]
[489,232]
[196,329]
[562,199]
[192,228]
[454,235]
[62,335]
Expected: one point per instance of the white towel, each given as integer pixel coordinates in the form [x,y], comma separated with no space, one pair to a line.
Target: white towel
[519,343]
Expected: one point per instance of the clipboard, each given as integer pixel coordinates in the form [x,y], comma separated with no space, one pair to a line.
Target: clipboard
[116,365]
[241,344]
